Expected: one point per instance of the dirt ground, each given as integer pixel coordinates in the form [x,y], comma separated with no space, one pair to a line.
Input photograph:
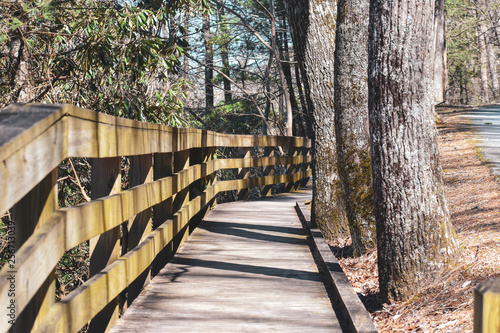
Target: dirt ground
[473,196]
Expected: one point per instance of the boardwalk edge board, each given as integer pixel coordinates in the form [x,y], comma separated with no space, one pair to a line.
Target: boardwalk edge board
[353,308]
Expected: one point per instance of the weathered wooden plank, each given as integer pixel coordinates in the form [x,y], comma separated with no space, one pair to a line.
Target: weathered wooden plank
[181,166]
[238,184]
[197,157]
[209,168]
[162,167]
[111,139]
[20,124]
[27,166]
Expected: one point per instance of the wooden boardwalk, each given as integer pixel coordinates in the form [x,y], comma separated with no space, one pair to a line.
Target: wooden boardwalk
[246,268]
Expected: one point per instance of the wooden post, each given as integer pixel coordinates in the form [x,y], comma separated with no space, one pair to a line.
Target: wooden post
[244,173]
[298,167]
[162,167]
[290,168]
[104,249]
[487,307]
[196,156]
[268,171]
[181,162]
[27,215]
[209,155]
[304,166]
[141,172]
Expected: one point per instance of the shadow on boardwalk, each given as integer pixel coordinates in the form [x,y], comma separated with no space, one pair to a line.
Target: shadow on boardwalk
[248,267]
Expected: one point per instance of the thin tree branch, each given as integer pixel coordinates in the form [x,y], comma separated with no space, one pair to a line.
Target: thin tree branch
[84,194]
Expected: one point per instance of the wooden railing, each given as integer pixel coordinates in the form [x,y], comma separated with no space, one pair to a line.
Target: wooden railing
[172,174]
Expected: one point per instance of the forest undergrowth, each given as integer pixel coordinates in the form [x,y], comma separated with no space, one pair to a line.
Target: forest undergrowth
[473,196]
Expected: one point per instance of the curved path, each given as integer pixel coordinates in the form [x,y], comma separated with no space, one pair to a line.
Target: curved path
[246,268]
[485,122]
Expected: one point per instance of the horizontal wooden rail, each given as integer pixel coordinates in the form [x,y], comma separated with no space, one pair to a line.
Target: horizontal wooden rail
[35,139]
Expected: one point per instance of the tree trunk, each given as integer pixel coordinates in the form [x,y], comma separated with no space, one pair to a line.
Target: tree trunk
[185,65]
[491,38]
[268,92]
[297,127]
[284,88]
[224,54]
[209,63]
[304,115]
[414,232]
[492,66]
[351,121]
[440,68]
[313,33]
[21,70]
[483,56]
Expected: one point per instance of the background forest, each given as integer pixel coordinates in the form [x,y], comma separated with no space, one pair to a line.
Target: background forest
[196,64]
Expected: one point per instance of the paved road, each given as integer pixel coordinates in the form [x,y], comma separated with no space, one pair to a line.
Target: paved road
[485,121]
[246,268]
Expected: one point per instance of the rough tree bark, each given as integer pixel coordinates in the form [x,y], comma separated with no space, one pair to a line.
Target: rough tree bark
[351,121]
[414,233]
[313,33]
